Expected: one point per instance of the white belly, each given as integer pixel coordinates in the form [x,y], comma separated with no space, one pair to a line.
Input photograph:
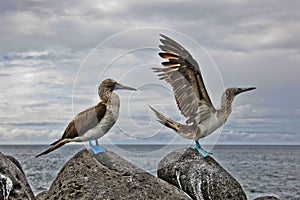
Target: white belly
[102,127]
[209,125]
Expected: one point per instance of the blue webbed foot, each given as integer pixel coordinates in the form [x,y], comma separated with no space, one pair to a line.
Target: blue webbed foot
[96,148]
[200,150]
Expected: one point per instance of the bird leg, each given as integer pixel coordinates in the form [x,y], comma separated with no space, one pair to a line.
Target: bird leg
[96,149]
[200,150]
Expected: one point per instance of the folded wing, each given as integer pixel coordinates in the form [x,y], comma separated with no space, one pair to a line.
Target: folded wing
[85,121]
[81,123]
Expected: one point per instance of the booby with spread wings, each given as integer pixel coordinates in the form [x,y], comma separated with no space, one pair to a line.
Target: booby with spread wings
[182,72]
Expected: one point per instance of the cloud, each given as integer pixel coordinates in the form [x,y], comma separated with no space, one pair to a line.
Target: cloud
[239,25]
[248,110]
[254,43]
[27,136]
[233,137]
[228,25]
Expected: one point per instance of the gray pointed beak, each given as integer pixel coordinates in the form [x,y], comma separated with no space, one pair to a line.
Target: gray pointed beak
[119,86]
[241,90]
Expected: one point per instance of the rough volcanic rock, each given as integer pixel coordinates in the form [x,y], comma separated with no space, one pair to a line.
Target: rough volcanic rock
[13,183]
[108,176]
[41,196]
[267,198]
[201,178]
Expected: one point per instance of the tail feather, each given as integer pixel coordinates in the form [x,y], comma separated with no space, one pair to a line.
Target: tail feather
[54,143]
[54,146]
[166,121]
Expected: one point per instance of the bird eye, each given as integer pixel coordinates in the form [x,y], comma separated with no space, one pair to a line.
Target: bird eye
[238,91]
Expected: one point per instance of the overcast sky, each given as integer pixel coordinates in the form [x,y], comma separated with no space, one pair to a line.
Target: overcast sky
[49,73]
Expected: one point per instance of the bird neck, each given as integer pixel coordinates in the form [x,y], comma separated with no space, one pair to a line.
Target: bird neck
[225,108]
[114,100]
[109,96]
[113,105]
[105,94]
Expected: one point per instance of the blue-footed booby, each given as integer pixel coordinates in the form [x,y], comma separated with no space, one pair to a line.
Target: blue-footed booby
[94,122]
[182,72]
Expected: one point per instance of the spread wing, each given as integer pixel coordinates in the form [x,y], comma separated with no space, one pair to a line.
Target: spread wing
[84,121]
[182,72]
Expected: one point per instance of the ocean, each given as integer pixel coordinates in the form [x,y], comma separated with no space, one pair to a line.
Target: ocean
[260,169]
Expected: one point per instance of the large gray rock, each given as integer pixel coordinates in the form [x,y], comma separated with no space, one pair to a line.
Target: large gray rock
[13,183]
[107,176]
[201,178]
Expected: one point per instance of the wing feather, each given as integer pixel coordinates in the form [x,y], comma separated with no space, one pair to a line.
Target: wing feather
[85,121]
[182,72]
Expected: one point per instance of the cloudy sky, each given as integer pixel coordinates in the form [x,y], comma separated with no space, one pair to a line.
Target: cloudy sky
[53,55]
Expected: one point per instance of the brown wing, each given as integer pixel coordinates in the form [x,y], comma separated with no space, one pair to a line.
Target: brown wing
[84,121]
[183,73]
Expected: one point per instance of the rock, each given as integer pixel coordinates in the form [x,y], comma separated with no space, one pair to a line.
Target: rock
[201,178]
[13,183]
[108,176]
[267,198]
[16,162]
[41,196]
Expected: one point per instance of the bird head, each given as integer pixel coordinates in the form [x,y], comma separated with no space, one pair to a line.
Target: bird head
[241,90]
[230,93]
[228,97]
[109,85]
